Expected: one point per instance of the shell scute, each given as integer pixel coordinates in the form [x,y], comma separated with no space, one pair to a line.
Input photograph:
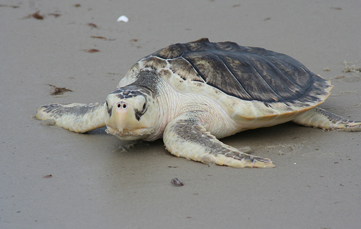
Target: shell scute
[172,51]
[184,69]
[215,72]
[155,63]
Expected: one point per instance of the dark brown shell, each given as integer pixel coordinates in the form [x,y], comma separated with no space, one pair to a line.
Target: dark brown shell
[248,73]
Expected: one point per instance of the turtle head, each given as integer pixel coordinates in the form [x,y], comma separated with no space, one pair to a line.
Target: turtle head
[131,113]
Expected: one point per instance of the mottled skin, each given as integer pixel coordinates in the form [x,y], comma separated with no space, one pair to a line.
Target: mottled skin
[195,93]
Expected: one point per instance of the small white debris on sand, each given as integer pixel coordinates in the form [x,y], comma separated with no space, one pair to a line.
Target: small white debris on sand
[123,18]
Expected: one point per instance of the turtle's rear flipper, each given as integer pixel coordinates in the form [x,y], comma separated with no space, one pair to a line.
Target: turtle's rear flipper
[321,118]
[185,137]
[75,117]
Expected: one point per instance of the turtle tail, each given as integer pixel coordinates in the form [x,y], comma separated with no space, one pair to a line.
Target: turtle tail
[75,117]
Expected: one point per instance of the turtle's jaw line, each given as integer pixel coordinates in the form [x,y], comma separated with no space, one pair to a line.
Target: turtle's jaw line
[125,134]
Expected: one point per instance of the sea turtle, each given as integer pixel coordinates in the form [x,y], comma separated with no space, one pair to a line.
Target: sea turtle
[193,94]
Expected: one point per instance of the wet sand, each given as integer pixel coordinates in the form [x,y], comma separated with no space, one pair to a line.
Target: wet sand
[94,184]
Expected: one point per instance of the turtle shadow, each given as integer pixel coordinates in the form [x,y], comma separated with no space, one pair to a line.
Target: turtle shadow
[99,131]
[283,138]
[280,131]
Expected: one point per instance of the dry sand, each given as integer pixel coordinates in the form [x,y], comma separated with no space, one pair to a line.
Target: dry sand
[317,179]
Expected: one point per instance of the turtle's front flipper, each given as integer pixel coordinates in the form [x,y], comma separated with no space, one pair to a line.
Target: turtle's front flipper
[75,117]
[185,137]
[321,118]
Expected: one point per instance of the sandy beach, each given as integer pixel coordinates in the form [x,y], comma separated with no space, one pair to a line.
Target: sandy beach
[53,178]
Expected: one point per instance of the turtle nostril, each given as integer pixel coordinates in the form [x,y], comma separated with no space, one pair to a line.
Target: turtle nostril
[122,105]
